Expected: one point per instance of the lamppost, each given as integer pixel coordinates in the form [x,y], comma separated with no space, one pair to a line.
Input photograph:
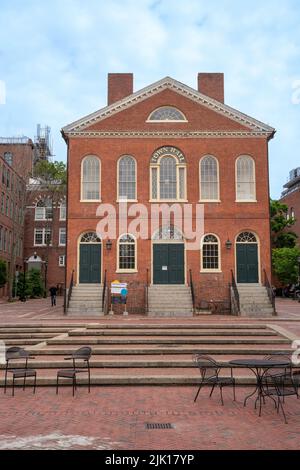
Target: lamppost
[45,282]
[23,295]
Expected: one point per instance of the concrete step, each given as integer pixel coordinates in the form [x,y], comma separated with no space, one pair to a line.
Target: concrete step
[173,332]
[88,304]
[172,341]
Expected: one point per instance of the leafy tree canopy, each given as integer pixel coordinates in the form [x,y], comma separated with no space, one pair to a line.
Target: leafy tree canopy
[285,264]
[281,236]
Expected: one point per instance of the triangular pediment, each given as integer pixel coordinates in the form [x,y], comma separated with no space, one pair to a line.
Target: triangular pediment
[228,119]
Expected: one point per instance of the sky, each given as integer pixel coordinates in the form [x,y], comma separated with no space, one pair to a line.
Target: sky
[55,56]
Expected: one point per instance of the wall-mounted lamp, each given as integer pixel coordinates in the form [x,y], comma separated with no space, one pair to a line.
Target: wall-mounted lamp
[228,244]
[108,244]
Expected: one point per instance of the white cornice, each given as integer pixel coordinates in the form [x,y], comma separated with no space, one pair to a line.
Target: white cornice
[168,83]
[168,134]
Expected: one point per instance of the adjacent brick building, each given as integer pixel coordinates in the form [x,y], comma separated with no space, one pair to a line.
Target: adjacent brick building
[169,143]
[291,197]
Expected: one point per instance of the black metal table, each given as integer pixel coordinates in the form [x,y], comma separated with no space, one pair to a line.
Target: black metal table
[258,367]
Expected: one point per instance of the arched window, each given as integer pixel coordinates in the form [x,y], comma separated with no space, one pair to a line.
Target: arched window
[246,237]
[168,180]
[167,114]
[127,178]
[210,259]
[90,179]
[43,210]
[209,179]
[127,253]
[245,179]
[168,232]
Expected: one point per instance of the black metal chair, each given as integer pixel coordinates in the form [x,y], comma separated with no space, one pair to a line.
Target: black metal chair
[15,354]
[82,355]
[279,386]
[209,371]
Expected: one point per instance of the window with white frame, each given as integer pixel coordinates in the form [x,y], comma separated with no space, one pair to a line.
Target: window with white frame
[209,179]
[245,179]
[90,179]
[168,180]
[43,210]
[62,210]
[127,178]
[62,236]
[210,259]
[167,114]
[42,236]
[8,157]
[61,261]
[127,253]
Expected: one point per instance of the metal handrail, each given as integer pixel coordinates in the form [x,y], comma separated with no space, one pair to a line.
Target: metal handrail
[70,289]
[270,291]
[104,289]
[192,290]
[146,292]
[235,292]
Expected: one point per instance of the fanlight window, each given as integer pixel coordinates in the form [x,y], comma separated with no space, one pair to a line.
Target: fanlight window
[210,253]
[245,179]
[209,179]
[90,237]
[168,233]
[168,179]
[127,178]
[90,179]
[246,237]
[167,113]
[127,252]
[43,210]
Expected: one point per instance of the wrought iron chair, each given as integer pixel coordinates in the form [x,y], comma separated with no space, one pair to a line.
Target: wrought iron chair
[279,386]
[82,355]
[209,371]
[14,354]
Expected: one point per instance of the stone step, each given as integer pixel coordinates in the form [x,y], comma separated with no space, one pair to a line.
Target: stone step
[87,303]
[169,332]
[172,341]
[211,325]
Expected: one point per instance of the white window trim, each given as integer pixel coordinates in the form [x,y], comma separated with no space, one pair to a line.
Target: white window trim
[64,261]
[60,211]
[254,180]
[119,199]
[214,270]
[166,120]
[218,173]
[133,270]
[178,166]
[81,180]
[60,231]
[44,213]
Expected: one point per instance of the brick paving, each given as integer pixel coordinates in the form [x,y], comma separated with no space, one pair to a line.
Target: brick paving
[115,418]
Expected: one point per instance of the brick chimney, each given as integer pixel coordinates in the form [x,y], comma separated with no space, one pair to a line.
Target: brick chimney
[120,85]
[212,84]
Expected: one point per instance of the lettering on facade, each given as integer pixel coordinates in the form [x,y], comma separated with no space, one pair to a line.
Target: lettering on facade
[168,151]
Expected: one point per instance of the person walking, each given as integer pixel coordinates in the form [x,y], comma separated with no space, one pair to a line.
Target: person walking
[53,292]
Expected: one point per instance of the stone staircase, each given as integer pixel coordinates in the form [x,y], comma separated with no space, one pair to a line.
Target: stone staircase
[156,352]
[170,301]
[86,301]
[254,301]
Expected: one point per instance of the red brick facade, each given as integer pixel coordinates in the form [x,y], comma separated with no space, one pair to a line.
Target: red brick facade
[51,253]
[209,130]
[291,197]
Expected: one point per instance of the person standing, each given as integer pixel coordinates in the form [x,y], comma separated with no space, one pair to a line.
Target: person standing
[53,292]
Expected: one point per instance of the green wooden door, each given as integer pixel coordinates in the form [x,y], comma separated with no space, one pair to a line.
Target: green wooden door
[90,264]
[247,263]
[168,263]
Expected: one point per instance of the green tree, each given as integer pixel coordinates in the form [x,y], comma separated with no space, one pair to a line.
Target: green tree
[285,264]
[36,283]
[281,236]
[3,273]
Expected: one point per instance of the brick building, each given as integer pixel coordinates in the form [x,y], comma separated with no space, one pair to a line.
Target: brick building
[168,143]
[45,233]
[291,197]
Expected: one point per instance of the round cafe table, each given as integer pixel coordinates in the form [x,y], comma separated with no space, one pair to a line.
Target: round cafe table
[258,367]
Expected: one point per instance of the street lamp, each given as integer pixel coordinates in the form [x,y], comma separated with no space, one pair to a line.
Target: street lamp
[45,284]
[23,295]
